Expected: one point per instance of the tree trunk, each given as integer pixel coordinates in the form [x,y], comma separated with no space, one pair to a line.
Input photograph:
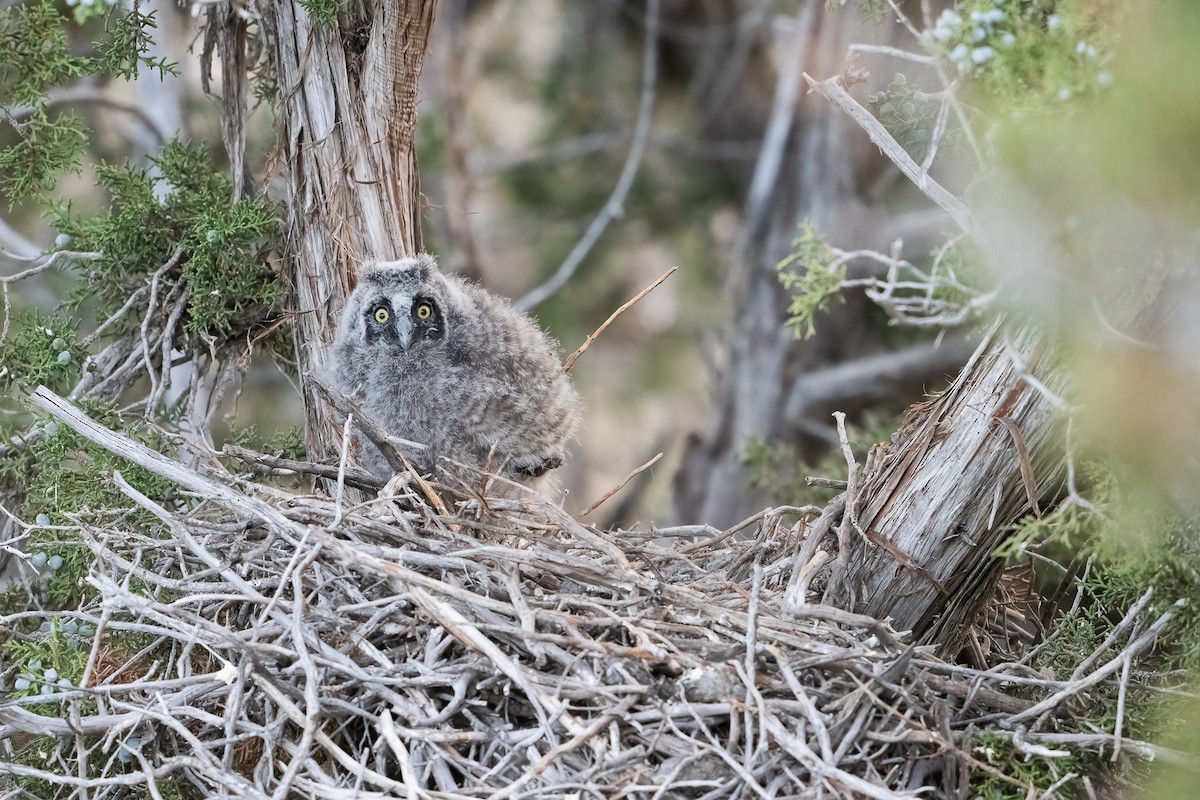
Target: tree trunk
[813,164]
[933,505]
[347,119]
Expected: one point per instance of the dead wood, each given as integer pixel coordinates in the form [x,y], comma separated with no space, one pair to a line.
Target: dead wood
[937,500]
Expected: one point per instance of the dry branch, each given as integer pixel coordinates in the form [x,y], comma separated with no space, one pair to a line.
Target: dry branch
[957,209]
[571,359]
[614,207]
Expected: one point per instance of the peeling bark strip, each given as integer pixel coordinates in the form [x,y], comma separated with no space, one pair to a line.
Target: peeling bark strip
[347,119]
[938,500]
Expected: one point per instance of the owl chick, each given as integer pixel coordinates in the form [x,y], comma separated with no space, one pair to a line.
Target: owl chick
[441,362]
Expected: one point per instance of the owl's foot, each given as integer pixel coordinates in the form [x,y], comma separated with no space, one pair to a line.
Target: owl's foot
[537,469]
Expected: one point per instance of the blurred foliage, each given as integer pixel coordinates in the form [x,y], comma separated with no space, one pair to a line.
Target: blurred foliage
[813,273]
[1087,189]
[1095,213]
[1131,547]
[1024,54]
[872,9]
[586,99]
[37,56]
[959,268]
[1171,779]
[908,113]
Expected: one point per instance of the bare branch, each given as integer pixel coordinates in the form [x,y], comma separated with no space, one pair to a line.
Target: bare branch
[832,90]
[614,207]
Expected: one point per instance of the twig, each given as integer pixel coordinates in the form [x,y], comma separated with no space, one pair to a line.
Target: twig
[51,261]
[894,52]
[958,211]
[571,359]
[386,443]
[903,19]
[341,471]
[151,307]
[353,475]
[1022,370]
[633,474]
[935,138]
[576,741]
[1119,724]
[825,483]
[387,729]
[1134,649]
[750,668]
[614,207]
[91,95]
[849,522]
[1119,630]
[840,617]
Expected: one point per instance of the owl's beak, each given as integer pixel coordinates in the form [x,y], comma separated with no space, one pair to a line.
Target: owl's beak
[404,330]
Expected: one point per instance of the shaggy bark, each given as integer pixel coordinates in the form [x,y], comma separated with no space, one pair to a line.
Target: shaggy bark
[347,118]
[933,504]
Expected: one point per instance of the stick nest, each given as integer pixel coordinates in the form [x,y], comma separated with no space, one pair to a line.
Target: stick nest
[288,646]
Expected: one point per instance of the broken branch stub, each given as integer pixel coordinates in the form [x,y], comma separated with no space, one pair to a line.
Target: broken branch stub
[936,502]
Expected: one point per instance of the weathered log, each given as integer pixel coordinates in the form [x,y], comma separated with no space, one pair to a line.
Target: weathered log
[937,500]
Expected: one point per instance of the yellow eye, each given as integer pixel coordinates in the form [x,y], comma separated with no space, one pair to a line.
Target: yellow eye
[382,315]
[424,311]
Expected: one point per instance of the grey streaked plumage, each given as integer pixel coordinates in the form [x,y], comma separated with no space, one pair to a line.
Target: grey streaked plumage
[439,361]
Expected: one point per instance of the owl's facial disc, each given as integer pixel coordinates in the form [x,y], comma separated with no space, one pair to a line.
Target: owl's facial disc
[407,320]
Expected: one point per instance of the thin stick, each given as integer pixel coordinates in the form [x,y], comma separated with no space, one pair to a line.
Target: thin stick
[354,475]
[571,359]
[1122,688]
[825,483]
[957,209]
[341,473]
[770,157]
[1132,650]
[619,486]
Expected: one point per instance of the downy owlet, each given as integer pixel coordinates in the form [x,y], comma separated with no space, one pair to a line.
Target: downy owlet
[441,362]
